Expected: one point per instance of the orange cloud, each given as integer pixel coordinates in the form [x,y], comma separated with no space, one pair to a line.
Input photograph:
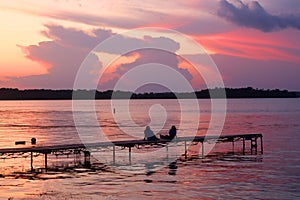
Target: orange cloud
[109,72]
[197,80]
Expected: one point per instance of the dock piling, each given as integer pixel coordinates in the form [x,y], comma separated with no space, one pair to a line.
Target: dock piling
[254,145]
[31,161]
[202,149]
[261,145]
[87,158]
[130,155]
[114,154]
[185,150]
[243,146]
[167,151]
[46,162]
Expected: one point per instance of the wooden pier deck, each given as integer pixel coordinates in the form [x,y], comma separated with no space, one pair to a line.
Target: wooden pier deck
[78,148]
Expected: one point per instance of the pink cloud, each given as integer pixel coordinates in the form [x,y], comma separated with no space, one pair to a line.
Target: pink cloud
[145,56]
[62,56]
[254,44]
[69,47]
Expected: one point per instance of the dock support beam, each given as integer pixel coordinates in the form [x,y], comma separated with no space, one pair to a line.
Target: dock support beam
[254,145]
[130,155]
[77,157]
[261,145]
[31,161]
[87,159]
[202,149]
[243,146]
[46,164]
[185,150]
[167,151]
[114,154]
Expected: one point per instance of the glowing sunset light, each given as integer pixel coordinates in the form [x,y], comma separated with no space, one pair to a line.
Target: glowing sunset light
[109,72]
[153,99]
[44,42]
[196,81]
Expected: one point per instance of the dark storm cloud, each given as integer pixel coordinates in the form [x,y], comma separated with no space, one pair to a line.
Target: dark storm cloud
[253,15]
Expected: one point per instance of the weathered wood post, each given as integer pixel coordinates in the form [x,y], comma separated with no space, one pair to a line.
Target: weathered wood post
[167,151]
[77,157]
[46,161]
[87,159]
[114,154]
[202,147]
[31,161]
[243,145]
[261,145]
[254,144]
[130,154]
[185,150]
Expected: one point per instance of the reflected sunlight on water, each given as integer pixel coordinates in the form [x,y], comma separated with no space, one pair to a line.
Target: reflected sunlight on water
[274,175]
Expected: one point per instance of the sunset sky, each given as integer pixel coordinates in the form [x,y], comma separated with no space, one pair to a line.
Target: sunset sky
[253,43]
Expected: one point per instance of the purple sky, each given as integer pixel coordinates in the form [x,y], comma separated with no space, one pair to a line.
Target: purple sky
[253,43]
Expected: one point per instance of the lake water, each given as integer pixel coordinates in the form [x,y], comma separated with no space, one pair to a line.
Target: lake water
[222,175]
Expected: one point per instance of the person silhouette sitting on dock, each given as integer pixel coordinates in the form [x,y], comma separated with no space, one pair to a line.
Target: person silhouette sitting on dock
[172,134]
[149,135]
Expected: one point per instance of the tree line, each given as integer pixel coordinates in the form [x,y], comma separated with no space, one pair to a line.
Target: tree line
[49,94]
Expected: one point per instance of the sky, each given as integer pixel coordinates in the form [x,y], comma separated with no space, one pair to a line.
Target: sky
[252,43]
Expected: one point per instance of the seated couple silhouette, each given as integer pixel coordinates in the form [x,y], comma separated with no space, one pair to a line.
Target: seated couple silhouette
[150,136]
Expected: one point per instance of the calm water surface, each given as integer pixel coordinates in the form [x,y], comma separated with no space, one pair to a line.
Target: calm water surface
[273,175]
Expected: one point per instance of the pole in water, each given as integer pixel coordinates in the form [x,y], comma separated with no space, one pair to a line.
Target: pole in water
[261,145]
[87,159]
[167,151]
[31,160]
[185,150]
[46,164]
[114,110]
[202,148]
[243,146]
[114,154]
[129,155]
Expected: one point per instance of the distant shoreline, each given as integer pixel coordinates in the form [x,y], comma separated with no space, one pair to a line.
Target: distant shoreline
[231,93]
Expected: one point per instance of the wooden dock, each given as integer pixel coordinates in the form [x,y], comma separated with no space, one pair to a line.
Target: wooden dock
[84,148]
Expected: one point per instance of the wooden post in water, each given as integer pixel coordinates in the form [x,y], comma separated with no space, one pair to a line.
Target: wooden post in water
[114,154]
[77,157]
[261,145]
[167,151]
[202,148]
[46,164]
[130,155]
[243,145]
[185,150]
[87,158]
[254,144]
[31,160]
